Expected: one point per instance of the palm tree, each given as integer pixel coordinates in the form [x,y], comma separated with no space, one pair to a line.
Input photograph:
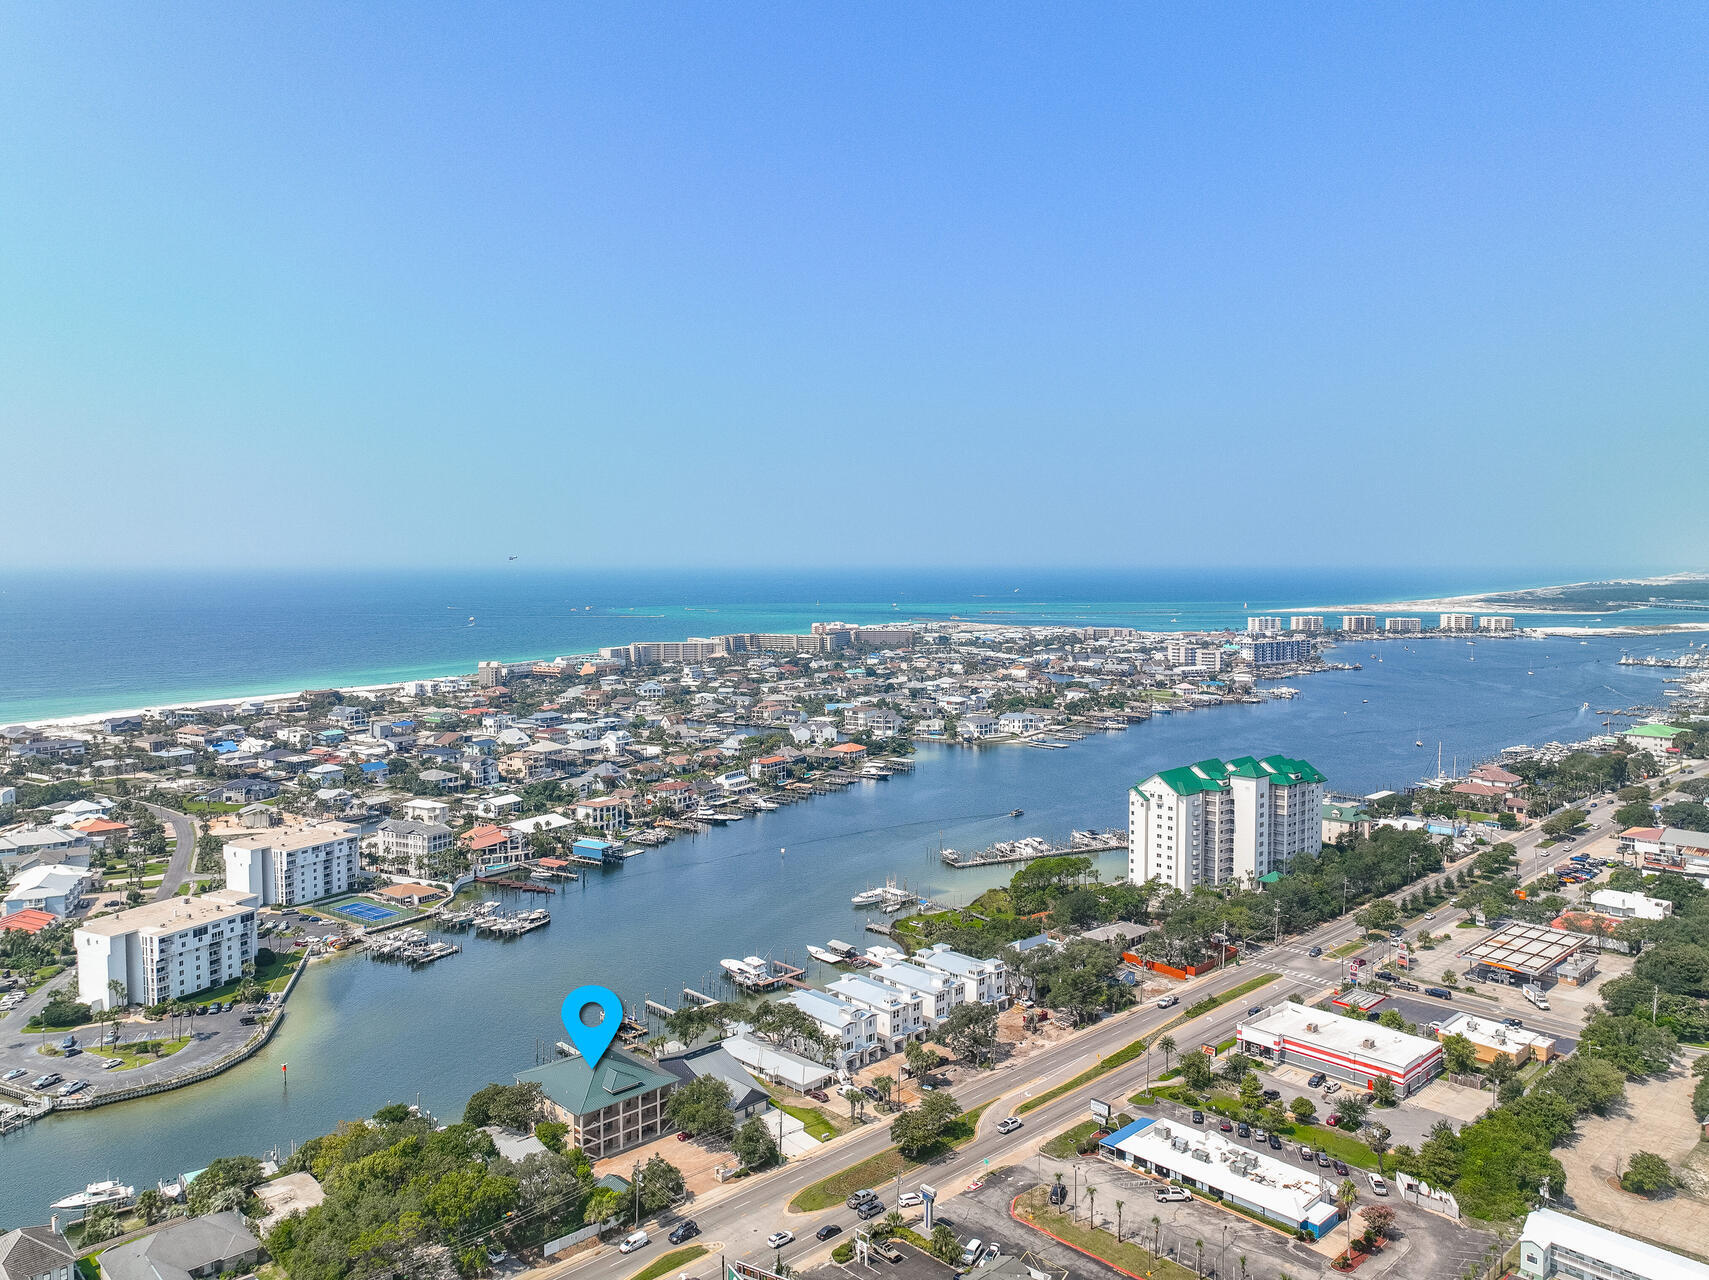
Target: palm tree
[884,1085]
[1118,1221]
[1200,1246]
[1156,1233]
[1091,1205]
[152,1205]
[1345,1198]
[1167,1047]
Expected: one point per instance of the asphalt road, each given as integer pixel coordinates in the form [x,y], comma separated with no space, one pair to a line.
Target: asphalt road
[737,1221]
[183,853]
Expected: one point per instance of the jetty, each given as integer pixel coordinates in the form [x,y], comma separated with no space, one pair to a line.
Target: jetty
[1029,848]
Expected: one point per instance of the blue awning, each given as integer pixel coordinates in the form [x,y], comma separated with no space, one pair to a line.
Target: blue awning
[1127,1131]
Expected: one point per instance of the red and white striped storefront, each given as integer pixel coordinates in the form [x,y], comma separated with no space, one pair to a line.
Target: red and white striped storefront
[1349,1049]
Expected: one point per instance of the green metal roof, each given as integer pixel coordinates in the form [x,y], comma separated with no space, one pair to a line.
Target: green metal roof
[1654,731]
[1270,877]
[1334,812]
[578,1089]
[1213,775]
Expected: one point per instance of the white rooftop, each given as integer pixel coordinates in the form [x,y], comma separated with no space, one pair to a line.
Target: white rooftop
[1351,1037]
[1546,1228]
[1491,1033]
[284,839]
[1283,1189]
[174,914]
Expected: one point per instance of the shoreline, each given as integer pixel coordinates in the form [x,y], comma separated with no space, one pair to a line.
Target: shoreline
[88,719]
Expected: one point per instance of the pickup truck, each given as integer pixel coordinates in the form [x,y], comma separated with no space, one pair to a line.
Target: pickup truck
[1173,1193]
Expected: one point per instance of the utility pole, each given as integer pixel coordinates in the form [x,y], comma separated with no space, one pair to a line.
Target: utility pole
[635,1187]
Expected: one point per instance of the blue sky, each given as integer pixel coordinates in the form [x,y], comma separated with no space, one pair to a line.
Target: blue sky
[854,284]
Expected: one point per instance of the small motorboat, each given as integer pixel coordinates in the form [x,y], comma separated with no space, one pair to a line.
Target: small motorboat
[1016,813]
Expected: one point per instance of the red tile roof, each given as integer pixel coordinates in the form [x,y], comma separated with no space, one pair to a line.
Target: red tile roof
[29,920]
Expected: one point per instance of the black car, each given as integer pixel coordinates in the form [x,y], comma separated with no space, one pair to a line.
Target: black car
[1243,1130]
[1441,993]
[1316,1080]
[828,1230]
[1315,951]
[1058,1194]
[1198,1117]
[687,1229]
[871,1209]
[1275,1143]
[1272,1095]
[1254,1011]
[1340,1166]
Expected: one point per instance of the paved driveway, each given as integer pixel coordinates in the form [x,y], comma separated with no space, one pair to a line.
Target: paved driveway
[183,853]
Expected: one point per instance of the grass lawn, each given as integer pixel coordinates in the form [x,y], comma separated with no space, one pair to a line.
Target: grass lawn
[44,975]
[878,1169]
[818,1124]
[1033,1209]
[1348,948]
[669,1262]
[272,975]
[1121,1057]
[1067,1143]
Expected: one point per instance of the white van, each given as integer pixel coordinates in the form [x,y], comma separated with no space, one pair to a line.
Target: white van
[632,1242]
[970,1253]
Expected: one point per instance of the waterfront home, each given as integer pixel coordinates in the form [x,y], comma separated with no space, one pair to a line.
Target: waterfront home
[898,1015]
[747,1099]
[54,887]
[402,842]
[36,1253]
[211,1245]
[853,1028]
[982,981]
[1020,723]
[430,811]
[846,753]
[497,806]
[881,722]
[938,992]
[608,813]
[494,847]
[609,1108]
[976,725]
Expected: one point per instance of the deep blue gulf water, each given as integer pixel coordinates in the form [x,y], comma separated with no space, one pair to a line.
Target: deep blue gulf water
[360,1033]
[74,643]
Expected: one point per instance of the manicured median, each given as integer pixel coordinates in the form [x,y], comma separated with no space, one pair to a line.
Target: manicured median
[877,1169]
[670,1262]
[1121,1057]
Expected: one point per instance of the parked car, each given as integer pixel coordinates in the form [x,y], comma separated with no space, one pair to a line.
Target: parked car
[777,1239]
[1275,1142]
[46,1082]
[872,1093]
[1173,1193]
[1323,1159]
[1243,1130]
[1316,1080]
[1441,993]
[1334,1121]
[818,1095]
[1272,1095]
[14,1073]
[1227,1126]
[496,1255]
[1378,1185]
[1198,1116]
[1058,1194]
[1333,1087]
[1259,1134]
[970,1251]
[1340,1167]
[76,1086]
[828,1230]
[687,1229]
[908,1199]
[633,1241]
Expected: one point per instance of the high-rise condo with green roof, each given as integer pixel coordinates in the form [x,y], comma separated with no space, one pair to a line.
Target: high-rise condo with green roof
[1223,820]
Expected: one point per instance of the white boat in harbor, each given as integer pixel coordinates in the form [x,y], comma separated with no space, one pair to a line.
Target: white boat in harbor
[765,806]
[823,956]
[96,1195]
[868,898]
[740,973]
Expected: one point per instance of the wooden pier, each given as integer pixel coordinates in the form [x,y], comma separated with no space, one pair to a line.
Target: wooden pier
[517,884]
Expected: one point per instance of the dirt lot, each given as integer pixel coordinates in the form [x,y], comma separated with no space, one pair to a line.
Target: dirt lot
[695,1161]
[1655,1117]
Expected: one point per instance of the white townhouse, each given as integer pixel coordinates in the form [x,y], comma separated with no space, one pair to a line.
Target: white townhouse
[1020,722]
[166,949]
[852,1028]
[899,1015]
[284,866]
[399,840]
[982,981]
[938,992]
[881,722]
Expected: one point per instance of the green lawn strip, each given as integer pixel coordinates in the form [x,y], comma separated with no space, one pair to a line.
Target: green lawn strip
[817,1123]
[1121,1057]
[1348,948]
[134,1055]
[272,975]
[1033,1210]
[880,1168]
[1067,1143]
[669,1262]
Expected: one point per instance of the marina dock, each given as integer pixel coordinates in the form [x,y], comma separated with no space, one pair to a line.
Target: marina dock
[1029,848]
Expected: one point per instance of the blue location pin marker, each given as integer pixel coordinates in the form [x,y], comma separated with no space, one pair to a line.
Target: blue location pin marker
[592,1042]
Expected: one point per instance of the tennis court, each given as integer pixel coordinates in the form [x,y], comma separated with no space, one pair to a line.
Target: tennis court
[367,912]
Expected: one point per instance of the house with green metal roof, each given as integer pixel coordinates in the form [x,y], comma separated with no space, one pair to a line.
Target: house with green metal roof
[1218,821]
[1651,737]
[616,1104]
[1344,817]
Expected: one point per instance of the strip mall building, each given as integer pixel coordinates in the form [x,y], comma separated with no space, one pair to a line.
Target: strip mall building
[1348,1049]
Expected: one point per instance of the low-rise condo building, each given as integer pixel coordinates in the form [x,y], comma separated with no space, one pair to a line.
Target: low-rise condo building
[166,949]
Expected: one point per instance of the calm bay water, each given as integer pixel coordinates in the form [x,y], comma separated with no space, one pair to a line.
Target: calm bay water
[360,1034]
[79,643]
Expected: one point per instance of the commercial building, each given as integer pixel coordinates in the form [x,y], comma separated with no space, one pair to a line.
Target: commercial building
[166,949]
[609,1107]
[1269,653]
[1403,626]
[1522,953]
[1668,849]
[1215,822]
[1310,623]
[1358,622]
[1494,623]
[1630,906]
[1456,622]
[1651,737]
[779,1066]
[1494,1039]
[1249,1180]
[1349,1049]
[1556,1244]
[1263,626]
[289,865]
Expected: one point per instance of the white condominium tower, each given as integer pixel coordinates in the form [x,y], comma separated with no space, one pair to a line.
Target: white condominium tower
[1216,821]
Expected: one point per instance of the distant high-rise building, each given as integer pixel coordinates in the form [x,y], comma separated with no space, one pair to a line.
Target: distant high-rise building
[1216,822]
[1268,653]
[1495,624]
[1309,622]
[1457,622]
[1263,626]
[1404,626]
[1358,622]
